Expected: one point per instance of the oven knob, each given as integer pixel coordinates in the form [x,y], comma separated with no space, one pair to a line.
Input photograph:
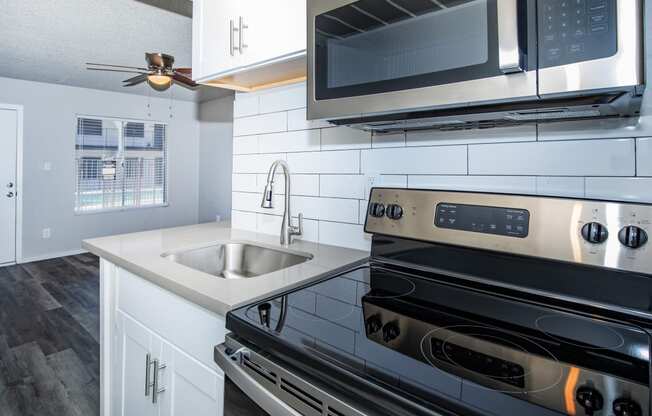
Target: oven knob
[633,236]
[394,212]
[376,209]
[373,324]
[590,399]
[626,407]
[595,233]
[391,331]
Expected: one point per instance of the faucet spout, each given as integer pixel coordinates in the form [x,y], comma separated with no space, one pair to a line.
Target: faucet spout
[287,229]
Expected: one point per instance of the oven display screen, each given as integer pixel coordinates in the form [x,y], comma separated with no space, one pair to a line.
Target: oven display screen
[511,222]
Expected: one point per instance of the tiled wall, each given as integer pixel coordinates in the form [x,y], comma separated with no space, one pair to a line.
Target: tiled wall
[605,159]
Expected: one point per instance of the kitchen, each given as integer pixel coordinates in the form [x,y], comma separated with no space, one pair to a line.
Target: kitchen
[319,218]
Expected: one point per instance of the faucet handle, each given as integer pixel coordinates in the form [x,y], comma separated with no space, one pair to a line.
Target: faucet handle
[298,231]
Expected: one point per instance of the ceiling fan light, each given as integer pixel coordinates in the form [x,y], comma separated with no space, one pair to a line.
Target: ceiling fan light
[159,82]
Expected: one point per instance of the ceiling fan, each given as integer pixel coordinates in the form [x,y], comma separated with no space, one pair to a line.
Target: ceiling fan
[159,74]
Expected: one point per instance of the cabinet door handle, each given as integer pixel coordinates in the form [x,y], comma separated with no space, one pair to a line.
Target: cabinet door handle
[241,27]
[232,30]
[156,390]
[148,364]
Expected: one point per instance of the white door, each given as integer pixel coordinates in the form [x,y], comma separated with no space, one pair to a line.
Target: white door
[191,388]
[8,145]
[135,344]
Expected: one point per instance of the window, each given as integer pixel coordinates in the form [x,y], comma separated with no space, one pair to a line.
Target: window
[120,164]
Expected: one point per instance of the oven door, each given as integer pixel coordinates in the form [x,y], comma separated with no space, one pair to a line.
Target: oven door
[590,45]
[377,56]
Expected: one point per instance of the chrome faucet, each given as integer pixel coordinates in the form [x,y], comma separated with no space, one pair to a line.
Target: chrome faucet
[287,229]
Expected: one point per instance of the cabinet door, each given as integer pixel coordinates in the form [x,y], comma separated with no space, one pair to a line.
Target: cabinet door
[135,342]
[275,30]
[213,38]
[191,388]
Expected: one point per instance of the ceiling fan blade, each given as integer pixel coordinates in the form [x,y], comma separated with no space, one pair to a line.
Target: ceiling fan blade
[184,81]
[184,71]
[116,66]
[117,70]
[135,80]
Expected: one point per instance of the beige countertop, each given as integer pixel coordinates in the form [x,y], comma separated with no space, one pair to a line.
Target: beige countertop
[141,253]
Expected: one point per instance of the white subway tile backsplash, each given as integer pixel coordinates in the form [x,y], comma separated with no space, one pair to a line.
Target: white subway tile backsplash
[522,133]
[261,124]
[244,182]
[563,158]
[245,105]
[394,181]
[297,120]
[282,99]
[331,166]
[341,138]
[305,185]
[290,141]
[440,160]
[560,186]
[620,189]
[501,184]
[250,202]
[328,209]
[243,220]
[608,128]
[345,161]
[644,157]
[245,145]
[342,186]
[347,235]
[388,140]
[271,224]
[364,206]
[255,163]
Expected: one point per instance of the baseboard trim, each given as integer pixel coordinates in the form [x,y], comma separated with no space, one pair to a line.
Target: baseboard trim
[52,256]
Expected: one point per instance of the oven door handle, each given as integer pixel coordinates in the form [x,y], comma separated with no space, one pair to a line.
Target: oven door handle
[230,364]
[510,58]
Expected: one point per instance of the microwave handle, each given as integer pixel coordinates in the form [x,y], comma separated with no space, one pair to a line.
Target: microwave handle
[510,58]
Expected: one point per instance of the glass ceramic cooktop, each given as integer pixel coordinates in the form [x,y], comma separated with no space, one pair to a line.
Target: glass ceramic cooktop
[432,338]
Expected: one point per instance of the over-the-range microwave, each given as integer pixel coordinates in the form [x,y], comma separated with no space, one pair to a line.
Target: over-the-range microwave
[408,64]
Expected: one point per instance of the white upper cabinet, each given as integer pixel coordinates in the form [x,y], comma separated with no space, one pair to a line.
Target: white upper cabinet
[214,37]
[249,44]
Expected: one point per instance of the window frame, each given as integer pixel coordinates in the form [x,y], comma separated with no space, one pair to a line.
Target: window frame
[121,151]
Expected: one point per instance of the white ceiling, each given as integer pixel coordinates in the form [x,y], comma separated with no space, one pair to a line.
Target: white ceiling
[51,40]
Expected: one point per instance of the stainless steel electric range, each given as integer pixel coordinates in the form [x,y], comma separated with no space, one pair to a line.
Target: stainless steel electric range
[470,304]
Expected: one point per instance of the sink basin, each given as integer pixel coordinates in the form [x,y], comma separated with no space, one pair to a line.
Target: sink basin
[237,260]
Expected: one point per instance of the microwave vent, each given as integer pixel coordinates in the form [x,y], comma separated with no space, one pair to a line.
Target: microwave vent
[551,114]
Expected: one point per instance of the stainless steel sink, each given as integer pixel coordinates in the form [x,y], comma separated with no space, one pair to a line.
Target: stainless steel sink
[237,260]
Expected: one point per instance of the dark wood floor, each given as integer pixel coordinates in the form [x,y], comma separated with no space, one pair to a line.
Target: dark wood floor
[49,341]
[49,338]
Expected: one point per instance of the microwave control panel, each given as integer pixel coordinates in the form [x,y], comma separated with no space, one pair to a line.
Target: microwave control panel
[572,31]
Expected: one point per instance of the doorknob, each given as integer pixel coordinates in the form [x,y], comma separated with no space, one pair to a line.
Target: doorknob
[10,185]
[10,195]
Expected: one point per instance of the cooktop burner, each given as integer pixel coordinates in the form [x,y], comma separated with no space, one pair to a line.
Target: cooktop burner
[572,328]
[460,345]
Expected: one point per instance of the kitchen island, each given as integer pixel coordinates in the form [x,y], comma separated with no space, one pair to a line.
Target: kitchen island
[160,319]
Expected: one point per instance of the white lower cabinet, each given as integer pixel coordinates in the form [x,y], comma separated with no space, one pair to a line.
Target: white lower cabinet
[191,388]
[159,360]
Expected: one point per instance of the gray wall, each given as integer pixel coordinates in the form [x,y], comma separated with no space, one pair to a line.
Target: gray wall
[49,136]
[215,158]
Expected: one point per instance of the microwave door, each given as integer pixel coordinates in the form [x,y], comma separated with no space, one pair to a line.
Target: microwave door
[379,56]
[590,45]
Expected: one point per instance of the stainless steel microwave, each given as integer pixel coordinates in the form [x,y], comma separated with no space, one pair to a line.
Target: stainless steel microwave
[408,64]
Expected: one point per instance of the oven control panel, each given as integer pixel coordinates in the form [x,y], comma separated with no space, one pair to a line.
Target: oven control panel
[600,233]
[511,222]
[573,31]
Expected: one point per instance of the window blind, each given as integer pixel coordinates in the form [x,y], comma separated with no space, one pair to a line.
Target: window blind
[120,164]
